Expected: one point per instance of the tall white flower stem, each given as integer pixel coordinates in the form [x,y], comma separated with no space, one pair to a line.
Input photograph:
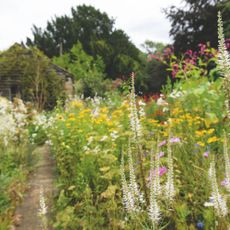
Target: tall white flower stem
[227,162]
[134,119]
[133,183]
[154,210]
[218,200]
[137,134]
[169,187]
[224,63]
[128,199]
[132,197]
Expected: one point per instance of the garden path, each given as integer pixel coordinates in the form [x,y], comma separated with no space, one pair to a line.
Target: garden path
[42,176]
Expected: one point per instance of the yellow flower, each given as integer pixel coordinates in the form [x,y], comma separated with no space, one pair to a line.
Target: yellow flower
[210,131]
[165,134]
[125,105]
[60,117]
[68,125]
[109,123]
[72,119]
[153,121]
[77,104]
[200,133]
[84,112]
[104,110]
[213,139]
[200,143]
[116,113]
[176,111]
[71,115]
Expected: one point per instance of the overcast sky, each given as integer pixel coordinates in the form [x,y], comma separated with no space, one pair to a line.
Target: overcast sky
[140,19]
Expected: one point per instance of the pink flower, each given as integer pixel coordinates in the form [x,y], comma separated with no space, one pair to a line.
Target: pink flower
[175,69]
[205,154]
[202,48]
[162,143]
[189,53]
[174,140]
[161,154]
[162,170]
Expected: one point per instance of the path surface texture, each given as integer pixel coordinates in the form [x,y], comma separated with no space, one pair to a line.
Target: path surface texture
[41,179]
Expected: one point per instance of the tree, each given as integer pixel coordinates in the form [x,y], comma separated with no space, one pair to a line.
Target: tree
[85,24]
[151,47]
[196,23]
[39,82]
[88,72]
[95,31]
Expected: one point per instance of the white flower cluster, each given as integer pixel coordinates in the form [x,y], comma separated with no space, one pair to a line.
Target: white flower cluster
[42,122]
[176,94]
[13,119]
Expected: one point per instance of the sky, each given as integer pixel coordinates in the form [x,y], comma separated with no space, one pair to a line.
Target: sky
[140,19]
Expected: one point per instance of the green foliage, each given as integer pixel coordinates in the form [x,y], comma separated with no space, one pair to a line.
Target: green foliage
[33,72]
[88,72]
[94,30]
[151,47]
[195,22]
[156,76]
[14,165]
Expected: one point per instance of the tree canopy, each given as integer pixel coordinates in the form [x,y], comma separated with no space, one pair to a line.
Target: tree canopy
[88,72]
[96,32]
[196,23]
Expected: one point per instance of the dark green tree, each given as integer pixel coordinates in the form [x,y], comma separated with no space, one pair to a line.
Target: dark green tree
[95,31]
[196,23]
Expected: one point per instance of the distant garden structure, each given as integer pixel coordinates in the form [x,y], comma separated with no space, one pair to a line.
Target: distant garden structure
[28,74]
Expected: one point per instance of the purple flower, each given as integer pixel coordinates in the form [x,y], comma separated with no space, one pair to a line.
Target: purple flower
[174,140]
[211,199]
[162,143]
[162,170]
[205,154]
[202,48]
[161,154]
[200,225]
[224,182]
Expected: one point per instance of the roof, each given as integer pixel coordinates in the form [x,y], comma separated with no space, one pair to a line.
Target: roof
[59,70]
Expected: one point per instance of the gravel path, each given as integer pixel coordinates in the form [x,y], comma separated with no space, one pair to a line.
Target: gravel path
[42,177]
